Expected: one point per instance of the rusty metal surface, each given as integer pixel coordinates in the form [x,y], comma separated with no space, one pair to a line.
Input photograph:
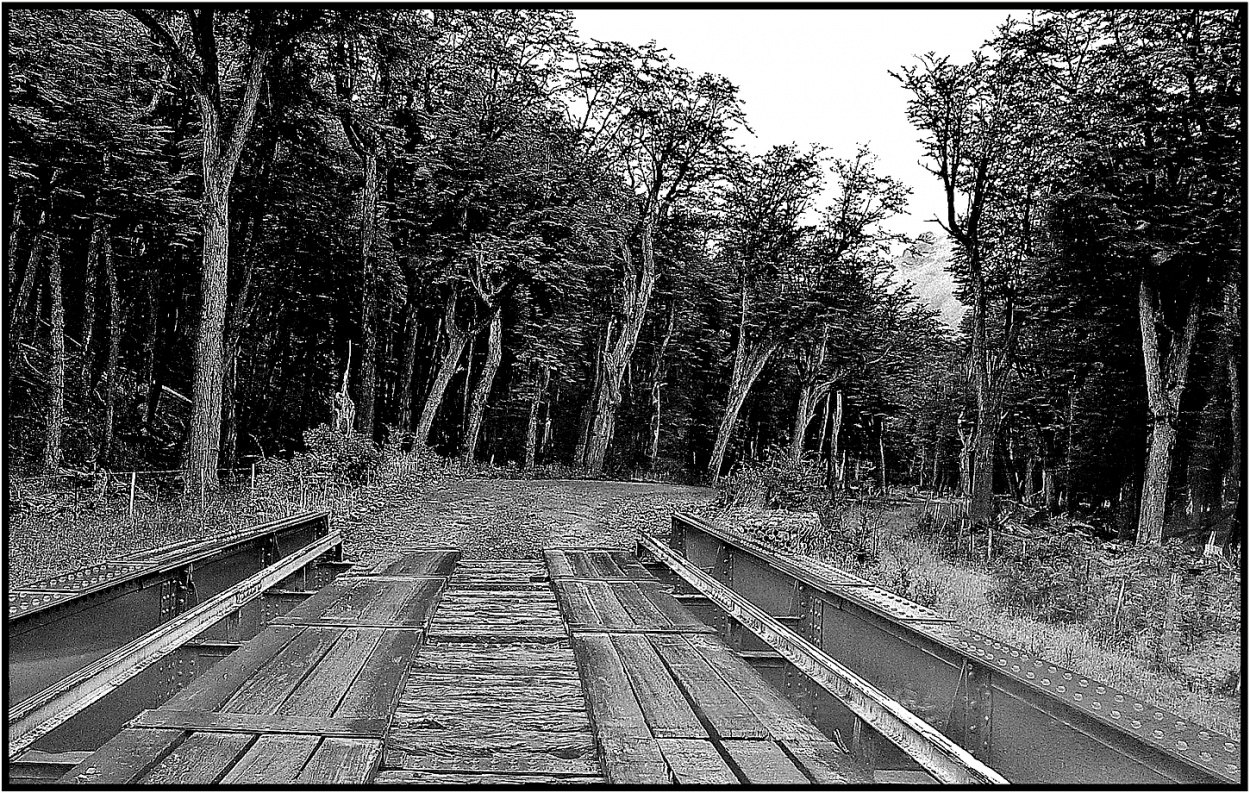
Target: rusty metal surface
[1037,719]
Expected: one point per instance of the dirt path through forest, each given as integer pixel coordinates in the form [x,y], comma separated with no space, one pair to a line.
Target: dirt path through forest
[514,519]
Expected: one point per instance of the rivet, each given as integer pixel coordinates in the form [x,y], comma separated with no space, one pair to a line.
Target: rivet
[1061,689]
[1067,675]
[1002,661]
[1030,675]
[1078,696]
[1097,705]
[1158,715]
[1204,735]
[1137,706]
[1046,681]
[1015,667]
[1182,745]
[1229,746]
[1158,733]
[1180,725]
[1103,690]
[1231,766]
[1084,682]
[1038,664]
[1136,724]
[1052,670]
[1115,714]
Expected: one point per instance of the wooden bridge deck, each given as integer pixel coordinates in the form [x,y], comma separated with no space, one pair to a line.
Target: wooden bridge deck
[428,669]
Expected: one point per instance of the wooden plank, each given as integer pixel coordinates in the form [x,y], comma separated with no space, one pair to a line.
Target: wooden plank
[210,690]
[319,693]
[763,763]
[642,611]
[323,598]
[265,691]
[406,604]
[826,764]
[614,710]
[630,565]
[633,761]
[718,705]
[604,565]
[202,759]
[125,758]
[558,565]
[357,601]
[782,719]
[486,740]
[581,564]
[375,689]
[432,778]
[611,612]
[668,605]
[493,764]
[436,562]
[576,606]
[272,760]
[696,762]
[342,761]
[202,721]
[664,706]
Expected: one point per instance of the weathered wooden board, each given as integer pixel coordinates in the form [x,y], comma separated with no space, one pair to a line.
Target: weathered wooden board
[614,709]
[696,762]
[493,764]
[266,690]
[434,562]
[826,764]
[202,759]
[633,761]
[320,692]
[428,778]
[273,760]
[667,712]
[125,758]
[342,761]
[763,763]
[202,721]
[780,718]
[719,706]
[375,688]
[212,689]
[643,612]
[558,565]
[604,565]
[486,739]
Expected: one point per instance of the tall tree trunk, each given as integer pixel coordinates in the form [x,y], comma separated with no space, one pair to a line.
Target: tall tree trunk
[98,231]
[657,372]
[637,283]
[56,400]
[369,299]
[19,311]
[485,380]
[408,369]
[457,340]
[15,224]
[965,458]
[1165,383]
[803,412]
[838,472]
[881,449]
[115,343]
[531,426]
[747,367]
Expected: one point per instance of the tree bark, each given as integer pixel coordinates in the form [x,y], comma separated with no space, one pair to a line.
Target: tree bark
[881,449]
[531,426]
[409,364]
[56,399]
[657,372]
[115,343]
[838,469]
[456,342]
[637,283]
[747,367]
[369,298]
[18,312]
[1165,383]
[485,380]
[98,230]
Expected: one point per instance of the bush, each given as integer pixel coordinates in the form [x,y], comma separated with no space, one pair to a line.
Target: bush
[779,482]
[1051,582]
[345,458]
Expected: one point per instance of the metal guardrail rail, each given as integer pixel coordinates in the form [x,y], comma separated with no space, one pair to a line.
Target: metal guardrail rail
[1029,719]
[36,716]
[63,625]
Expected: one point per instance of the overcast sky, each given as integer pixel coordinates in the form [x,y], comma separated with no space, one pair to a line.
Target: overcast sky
[815,75]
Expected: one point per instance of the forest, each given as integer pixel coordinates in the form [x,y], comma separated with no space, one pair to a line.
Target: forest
[470,229]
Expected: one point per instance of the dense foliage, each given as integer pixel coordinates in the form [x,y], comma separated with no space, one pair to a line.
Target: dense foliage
[517,247]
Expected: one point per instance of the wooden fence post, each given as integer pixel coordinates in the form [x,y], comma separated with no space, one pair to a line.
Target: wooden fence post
[131,510]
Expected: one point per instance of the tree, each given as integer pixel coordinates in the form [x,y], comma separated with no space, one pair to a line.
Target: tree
[204,67]
[665,132]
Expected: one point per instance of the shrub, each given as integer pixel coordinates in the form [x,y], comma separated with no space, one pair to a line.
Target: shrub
[1051,582]
[778,482]
[346,458]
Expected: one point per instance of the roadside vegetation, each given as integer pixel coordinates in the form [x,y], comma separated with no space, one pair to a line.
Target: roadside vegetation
[1163,623]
